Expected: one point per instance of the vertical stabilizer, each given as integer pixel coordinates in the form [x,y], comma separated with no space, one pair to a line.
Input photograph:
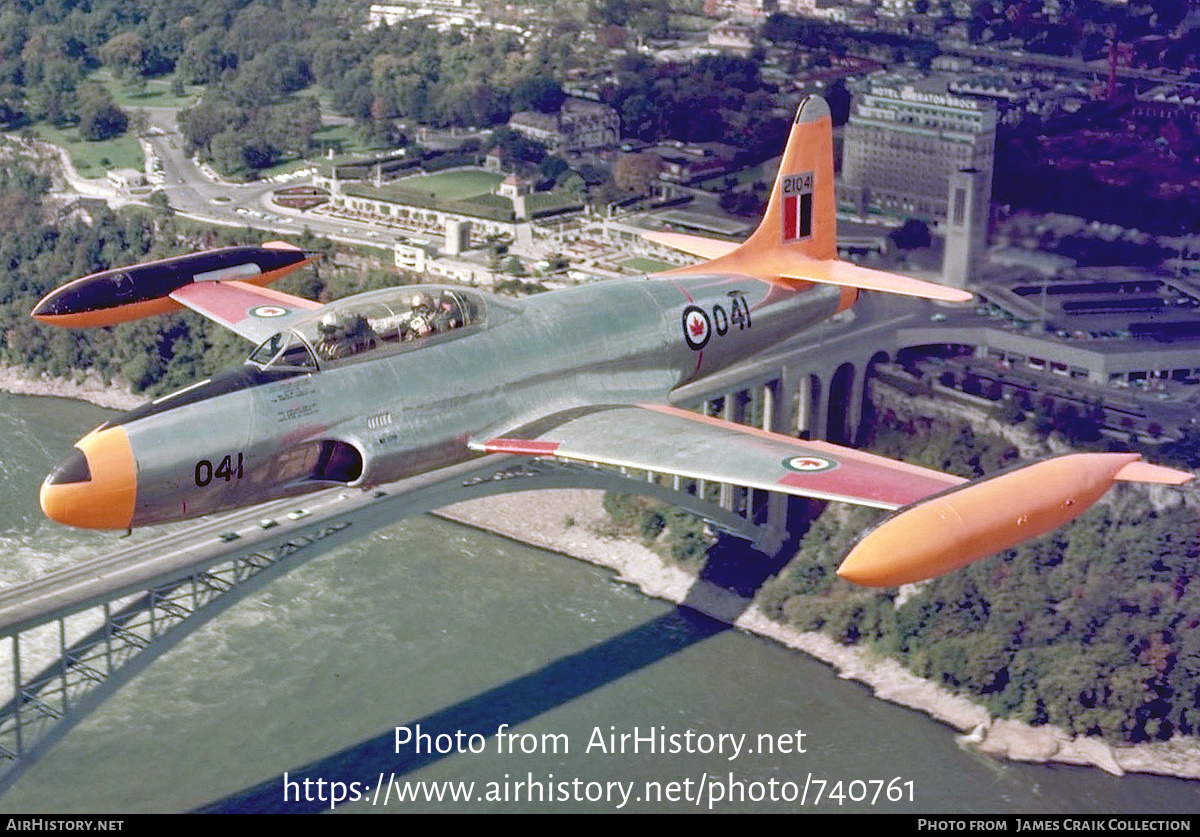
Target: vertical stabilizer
[800,225]
[800,217]
[795,244]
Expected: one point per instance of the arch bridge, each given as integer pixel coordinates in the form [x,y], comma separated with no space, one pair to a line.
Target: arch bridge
[72,638]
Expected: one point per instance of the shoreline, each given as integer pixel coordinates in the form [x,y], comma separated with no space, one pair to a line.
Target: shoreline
[570,522]
[20,381]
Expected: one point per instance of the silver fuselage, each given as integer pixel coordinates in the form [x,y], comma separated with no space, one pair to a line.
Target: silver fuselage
[216,446]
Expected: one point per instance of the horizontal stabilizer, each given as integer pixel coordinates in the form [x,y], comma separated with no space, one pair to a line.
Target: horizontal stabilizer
[959,526]
[848,274]
[705,248]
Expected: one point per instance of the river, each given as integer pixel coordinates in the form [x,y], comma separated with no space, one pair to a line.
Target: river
[432,624]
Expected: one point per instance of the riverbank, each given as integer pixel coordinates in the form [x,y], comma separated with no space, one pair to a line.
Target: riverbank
[21,381]
[573,523]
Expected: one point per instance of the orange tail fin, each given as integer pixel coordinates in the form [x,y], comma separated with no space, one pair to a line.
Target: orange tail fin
[801,215]
[795,244]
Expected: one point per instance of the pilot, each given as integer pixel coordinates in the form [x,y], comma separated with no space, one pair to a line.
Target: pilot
[419,320]
[447,317]
[344,335]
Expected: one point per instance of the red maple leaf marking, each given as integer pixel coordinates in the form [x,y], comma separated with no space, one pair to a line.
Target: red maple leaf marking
[808,463]
[697,326]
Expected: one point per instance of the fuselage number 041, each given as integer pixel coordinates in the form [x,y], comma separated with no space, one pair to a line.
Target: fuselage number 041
[227,469]
[698,325]
[738,317]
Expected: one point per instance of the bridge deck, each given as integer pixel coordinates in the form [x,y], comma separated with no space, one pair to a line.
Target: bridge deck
[180,553]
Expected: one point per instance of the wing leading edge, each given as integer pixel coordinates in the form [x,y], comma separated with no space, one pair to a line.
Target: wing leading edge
[673,441]
[938,522]
[248,310]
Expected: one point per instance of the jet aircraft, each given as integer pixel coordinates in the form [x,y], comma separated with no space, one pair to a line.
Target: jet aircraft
[405,380]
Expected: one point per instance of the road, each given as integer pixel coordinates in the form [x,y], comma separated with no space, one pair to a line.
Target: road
[199,193]
[214,539]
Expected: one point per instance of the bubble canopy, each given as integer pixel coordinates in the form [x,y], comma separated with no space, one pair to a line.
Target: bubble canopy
[370,325]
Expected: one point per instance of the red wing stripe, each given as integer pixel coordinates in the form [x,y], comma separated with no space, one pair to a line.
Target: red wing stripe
[232,301]
[877,485]
[528,447]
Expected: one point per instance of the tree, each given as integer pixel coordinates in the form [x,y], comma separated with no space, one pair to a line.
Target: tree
[539,93]
[291,127]
[205,58]
[10,102]
[514,267]
[641,118]
[838,97]
[912,236]
[161,203]
[638,172]
[55,96]
[552,167]
[611,36]
[259,155]
[123,54]
[99,116]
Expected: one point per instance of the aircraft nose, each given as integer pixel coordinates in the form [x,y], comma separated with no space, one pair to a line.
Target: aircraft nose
[95,485]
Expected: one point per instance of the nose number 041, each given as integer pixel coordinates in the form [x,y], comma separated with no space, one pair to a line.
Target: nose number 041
[228,469]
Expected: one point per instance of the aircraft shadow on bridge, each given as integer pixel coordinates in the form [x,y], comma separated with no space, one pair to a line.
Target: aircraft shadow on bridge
[732,565]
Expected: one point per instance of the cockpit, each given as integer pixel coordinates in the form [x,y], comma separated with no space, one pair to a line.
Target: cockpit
[372,324]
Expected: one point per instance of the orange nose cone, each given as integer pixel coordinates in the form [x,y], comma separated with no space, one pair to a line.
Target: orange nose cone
[95,486]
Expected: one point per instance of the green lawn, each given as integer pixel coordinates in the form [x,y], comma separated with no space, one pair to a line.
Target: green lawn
[643,265]
[93,159]
[495,202]
[343,139]
[153,92]
[546,202]
[452,185]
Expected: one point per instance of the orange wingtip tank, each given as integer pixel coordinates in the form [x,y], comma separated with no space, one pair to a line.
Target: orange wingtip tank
[957,527]
[131,293]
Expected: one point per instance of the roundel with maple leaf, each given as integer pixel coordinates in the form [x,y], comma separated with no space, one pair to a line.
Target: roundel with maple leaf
[697,328]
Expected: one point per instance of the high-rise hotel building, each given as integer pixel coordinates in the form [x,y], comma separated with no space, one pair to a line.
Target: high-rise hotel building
[905,140]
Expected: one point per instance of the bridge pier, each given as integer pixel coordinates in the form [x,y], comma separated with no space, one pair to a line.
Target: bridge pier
[729,412]
[774,416]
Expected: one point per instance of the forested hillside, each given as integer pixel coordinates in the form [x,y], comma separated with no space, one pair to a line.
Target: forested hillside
[262,68]
[159,354]
[1091,628]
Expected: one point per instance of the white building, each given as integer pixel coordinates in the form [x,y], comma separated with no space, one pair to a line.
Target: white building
[905,140]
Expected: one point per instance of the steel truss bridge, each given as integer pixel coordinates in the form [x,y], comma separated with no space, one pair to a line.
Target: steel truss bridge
[73,637]
[70,639]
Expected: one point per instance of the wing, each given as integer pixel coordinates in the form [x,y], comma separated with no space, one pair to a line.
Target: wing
[674,441]
[249,310]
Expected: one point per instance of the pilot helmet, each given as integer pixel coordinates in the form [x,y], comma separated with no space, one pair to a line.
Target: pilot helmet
[331,323]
